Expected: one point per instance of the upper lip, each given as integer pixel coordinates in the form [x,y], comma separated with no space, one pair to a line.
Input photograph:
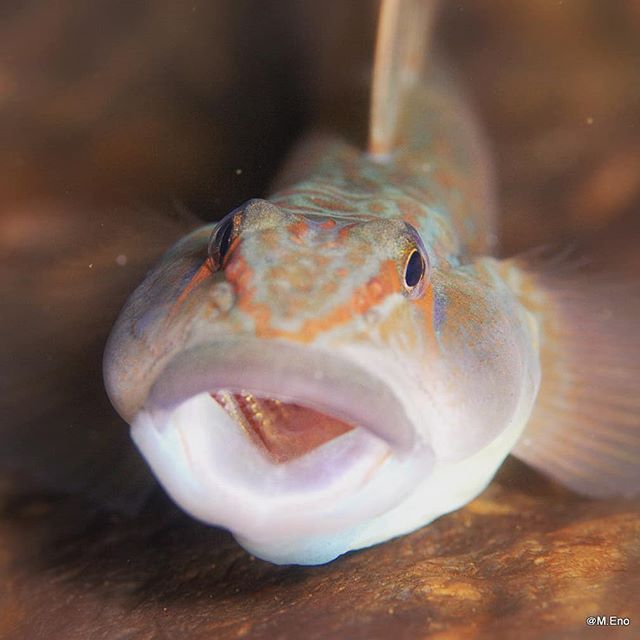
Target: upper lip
[308,376]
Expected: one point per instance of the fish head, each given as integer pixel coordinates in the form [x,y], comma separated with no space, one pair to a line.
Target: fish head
[294,377]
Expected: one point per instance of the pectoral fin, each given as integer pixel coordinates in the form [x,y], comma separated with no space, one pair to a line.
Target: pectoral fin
[585,428]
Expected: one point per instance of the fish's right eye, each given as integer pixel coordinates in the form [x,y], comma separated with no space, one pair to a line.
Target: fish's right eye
[221,239]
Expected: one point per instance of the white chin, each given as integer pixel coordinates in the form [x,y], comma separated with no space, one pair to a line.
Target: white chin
[307,510]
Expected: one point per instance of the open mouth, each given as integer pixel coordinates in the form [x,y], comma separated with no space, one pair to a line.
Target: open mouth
[266,438]
[282,430]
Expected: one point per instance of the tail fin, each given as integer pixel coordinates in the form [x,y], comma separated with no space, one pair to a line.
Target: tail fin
[585,428]
[403,32]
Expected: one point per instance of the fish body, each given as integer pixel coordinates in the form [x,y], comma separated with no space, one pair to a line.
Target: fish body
[343,362]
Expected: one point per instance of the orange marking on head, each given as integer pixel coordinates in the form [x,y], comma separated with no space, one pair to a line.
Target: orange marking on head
[374,287]
[329,223]
[369,295]
[427,305]
[344,231]
[239,273]
[364,298]
[204,271]
[298,229]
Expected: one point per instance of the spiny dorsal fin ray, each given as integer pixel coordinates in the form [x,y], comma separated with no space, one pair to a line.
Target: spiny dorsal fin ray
[585,427]
[403,29]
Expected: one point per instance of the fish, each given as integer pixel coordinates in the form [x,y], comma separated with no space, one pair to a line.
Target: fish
[347,360]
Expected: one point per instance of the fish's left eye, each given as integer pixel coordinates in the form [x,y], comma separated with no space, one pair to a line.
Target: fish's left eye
[414,269]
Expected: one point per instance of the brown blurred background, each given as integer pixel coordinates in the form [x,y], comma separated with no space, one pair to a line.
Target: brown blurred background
[121,122]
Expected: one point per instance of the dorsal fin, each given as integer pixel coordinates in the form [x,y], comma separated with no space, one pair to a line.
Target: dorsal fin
[403,31]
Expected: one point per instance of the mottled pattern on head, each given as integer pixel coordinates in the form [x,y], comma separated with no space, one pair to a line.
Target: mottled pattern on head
[301,275]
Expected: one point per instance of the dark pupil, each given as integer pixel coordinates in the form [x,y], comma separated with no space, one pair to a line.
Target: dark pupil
[414,270]
[224,238]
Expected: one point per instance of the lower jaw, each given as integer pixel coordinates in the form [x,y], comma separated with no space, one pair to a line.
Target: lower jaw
[444,488]
[216,473]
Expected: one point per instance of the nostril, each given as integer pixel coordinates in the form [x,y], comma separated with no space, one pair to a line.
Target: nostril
[224,296]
